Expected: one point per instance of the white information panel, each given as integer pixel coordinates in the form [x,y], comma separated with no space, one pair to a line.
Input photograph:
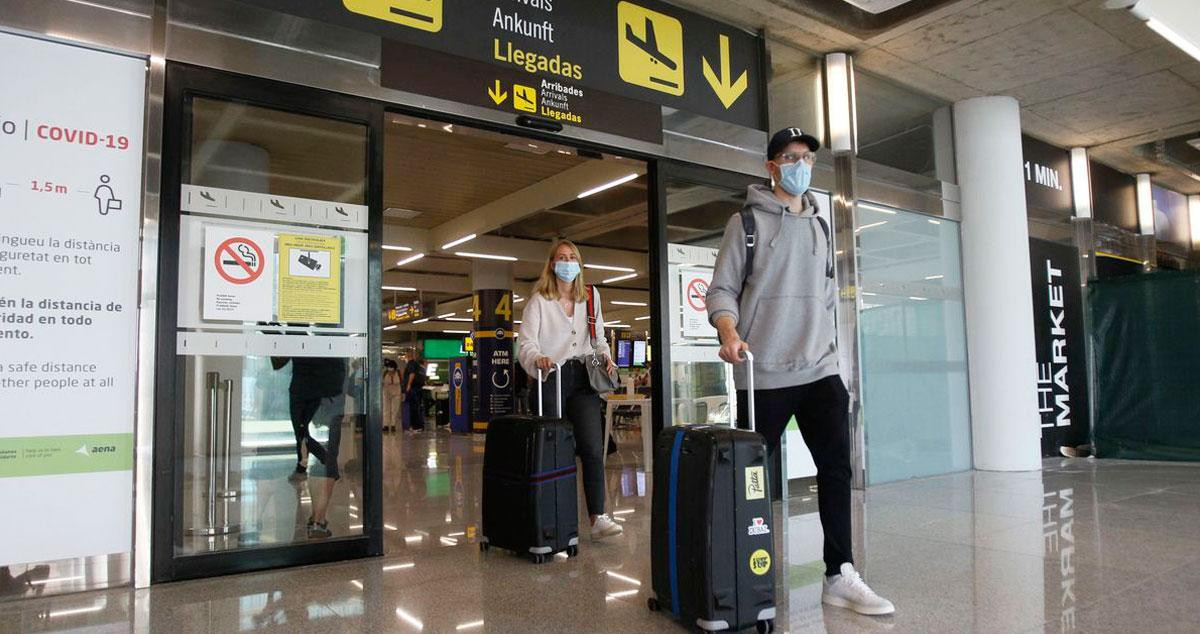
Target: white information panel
[238,279]
[70,198]
[693,289]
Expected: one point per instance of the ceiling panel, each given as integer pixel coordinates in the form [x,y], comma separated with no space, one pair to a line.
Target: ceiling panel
[970,25]
[1037,50]
[1105,107]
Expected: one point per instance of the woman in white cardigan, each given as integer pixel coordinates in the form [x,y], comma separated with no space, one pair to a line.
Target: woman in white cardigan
[555,330]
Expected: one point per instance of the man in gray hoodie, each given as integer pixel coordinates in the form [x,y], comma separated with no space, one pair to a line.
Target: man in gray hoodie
[773,293]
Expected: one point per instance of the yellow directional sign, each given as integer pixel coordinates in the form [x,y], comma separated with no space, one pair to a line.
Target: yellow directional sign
[425,15]
[728,90]
[649,48]
[497,94]
[524,98]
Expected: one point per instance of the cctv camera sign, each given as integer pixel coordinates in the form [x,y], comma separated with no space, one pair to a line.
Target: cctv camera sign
[237,274]
[310,279]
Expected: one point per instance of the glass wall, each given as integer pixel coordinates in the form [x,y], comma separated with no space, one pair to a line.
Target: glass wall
[272,320]
[913,350]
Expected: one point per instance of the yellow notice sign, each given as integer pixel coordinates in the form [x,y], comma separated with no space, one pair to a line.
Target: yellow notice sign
[649,49]
[425,15]
[310,278]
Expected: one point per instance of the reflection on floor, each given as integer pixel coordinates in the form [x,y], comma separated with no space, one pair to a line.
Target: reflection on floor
[1090,546]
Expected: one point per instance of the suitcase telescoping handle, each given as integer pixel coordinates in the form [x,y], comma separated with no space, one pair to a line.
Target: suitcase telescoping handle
[557,371]
[749,356]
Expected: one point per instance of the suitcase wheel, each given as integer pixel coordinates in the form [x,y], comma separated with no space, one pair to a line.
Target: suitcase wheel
[652,603]
[539,559]
[765,626]
[572,551]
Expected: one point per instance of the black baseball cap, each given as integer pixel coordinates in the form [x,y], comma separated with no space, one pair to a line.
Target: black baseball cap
[780,140]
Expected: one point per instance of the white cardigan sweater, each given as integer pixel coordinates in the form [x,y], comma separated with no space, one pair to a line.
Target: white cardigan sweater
[547,331]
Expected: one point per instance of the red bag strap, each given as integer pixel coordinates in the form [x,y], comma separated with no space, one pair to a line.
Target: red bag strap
[591,312]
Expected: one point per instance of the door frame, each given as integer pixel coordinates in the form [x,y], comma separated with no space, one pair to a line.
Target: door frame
[664,171]
[182,83]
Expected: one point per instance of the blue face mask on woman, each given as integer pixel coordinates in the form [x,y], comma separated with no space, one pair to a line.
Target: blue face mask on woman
[795,177]
[566,271]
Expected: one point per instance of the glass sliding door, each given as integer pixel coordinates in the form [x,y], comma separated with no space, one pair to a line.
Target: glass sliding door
[269,404]
[912,339]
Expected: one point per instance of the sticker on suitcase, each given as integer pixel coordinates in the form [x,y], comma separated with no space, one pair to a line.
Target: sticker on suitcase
[755,483]
[758,527]
[760,562]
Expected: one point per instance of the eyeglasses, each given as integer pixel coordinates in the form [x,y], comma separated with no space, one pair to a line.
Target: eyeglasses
[792,157]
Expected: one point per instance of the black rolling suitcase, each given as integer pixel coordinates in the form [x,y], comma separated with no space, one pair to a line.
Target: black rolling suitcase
[529,495]
[711,547]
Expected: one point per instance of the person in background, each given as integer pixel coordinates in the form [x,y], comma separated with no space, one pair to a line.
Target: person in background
[317,395]
[414,382]
[554,330]
[393,392]
[781,308]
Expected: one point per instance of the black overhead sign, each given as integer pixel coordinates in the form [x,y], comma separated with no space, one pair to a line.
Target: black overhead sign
[1047,177]
[645,50]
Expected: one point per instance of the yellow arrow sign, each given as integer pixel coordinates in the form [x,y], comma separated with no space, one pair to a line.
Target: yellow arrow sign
[497,94]
[727,91]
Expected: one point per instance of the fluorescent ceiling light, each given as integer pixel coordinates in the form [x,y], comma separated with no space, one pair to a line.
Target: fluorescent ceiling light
[620,278]
[919,299]
[393,247]
[517,299]
[871,226]
[1174,37]
[1081,183]
[421,320]
[642,318]
[882,210]
[446,315]
[934,277]
[609,185]
[605,267]
[449,127]
[622,577]
[1145,205]
[615,324]
[410,619]
[399,566]
[454,243]
[466,626]
[457,332]
[390,527]
[392,327]
[485,256]
[410,259]
[357,584]
[459,319]
[407,289]
[628,303]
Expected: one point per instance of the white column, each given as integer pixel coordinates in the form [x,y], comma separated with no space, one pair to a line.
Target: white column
[999,304]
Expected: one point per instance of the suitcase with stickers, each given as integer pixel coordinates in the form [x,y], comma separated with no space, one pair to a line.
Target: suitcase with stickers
[711,547]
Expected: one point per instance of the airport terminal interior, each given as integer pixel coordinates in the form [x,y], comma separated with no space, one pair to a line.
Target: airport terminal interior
[303,239]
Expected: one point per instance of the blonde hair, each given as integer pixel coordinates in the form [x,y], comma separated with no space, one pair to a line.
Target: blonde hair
[547,284]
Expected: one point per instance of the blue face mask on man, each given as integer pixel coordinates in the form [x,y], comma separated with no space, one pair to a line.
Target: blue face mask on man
[566,271]
[795,177]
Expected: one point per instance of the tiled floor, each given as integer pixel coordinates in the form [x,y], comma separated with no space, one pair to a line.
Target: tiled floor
[1088,546]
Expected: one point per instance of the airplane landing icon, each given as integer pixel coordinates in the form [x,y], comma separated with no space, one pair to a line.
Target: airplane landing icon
[650,45]
[649,49]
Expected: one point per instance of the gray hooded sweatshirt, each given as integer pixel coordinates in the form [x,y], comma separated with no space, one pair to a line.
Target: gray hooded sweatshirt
[785,312]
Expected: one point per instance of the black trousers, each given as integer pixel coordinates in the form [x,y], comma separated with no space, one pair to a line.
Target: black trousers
[303,410]
[584,409]
[821,411]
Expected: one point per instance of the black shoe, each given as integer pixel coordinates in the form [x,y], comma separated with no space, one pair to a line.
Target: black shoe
[300,474]
[319,530]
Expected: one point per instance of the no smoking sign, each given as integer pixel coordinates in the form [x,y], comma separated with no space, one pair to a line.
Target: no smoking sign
[239,260]
[697,291]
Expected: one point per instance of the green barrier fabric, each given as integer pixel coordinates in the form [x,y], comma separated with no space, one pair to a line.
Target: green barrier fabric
[1145,335]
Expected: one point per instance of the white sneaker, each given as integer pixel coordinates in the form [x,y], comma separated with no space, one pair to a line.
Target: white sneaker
[848,590]
[605,527]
